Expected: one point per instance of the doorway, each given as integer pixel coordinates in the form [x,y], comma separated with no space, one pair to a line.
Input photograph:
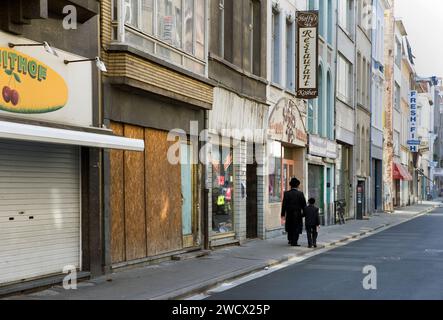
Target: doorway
[288,174]
[189,219]
[329,212]
[251,198]
[360,200]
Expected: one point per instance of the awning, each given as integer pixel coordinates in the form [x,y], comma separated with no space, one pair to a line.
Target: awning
[400,172]
[27,132]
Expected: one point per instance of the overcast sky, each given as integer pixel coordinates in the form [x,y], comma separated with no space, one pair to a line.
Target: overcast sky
[423,20]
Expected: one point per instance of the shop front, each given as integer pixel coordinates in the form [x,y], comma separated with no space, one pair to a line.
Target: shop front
[49,160]
[344,180]
[235,168]
[400,175]
[321,172]
[286,151]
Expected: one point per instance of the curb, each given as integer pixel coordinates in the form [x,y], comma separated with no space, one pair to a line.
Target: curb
[208,284]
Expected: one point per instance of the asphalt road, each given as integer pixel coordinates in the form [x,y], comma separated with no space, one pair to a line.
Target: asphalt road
[408,259]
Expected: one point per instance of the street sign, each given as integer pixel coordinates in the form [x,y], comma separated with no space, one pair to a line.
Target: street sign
[414,142]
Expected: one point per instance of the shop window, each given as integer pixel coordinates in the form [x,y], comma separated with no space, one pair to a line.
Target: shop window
[275,173]
[222,189]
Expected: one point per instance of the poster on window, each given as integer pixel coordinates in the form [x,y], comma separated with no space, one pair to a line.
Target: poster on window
[307,53]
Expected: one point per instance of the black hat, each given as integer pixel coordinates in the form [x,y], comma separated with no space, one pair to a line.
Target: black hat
[295,183]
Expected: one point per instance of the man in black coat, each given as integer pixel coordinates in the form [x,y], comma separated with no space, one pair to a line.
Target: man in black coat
[312,222]
[294,202]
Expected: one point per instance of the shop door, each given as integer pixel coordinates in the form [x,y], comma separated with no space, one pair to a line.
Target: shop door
[251,200]
[288,174]
[360,200]
[397,193]
[329,212]
[39,209]
[316,188]
[188,201]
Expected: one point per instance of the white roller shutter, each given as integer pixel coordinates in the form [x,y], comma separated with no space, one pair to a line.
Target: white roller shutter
[39,209]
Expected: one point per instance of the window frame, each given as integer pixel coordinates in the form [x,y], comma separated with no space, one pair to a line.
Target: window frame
[346,97]
[189,61]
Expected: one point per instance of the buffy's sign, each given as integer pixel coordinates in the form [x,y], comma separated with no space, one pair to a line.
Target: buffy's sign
[307,53]
[413,141]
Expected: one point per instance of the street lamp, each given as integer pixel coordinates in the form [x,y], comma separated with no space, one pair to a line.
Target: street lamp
[44,44]
[98,63]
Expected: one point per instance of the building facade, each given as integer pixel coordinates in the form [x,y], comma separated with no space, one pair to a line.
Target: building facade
[236,166]
[322,149]
[156,90]
[51,142]
[378,77]
[345,106]
[363,107]
[286,120]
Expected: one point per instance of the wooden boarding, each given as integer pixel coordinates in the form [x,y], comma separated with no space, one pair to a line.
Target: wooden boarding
[118,253]
[134,194]
[163,196]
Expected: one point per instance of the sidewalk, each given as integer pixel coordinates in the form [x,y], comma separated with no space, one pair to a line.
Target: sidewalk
[175,279]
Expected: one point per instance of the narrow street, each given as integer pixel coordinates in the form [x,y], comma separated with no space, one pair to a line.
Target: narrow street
[408,259]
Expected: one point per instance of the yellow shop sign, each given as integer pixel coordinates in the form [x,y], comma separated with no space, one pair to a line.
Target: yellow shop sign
[29,86]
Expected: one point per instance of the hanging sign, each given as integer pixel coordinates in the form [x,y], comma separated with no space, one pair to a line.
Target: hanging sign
[413,141]
[307,53]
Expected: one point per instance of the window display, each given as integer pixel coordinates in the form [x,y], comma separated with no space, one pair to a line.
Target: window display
[275,173]
[222,189]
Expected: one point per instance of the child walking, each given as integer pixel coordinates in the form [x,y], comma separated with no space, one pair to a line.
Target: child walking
[312,222]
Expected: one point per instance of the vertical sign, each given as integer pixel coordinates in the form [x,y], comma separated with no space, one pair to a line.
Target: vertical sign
[413,141]
[307,53]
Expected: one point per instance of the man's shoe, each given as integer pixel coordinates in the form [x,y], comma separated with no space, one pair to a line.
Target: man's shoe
[315,246]
[295,245]
[310,247]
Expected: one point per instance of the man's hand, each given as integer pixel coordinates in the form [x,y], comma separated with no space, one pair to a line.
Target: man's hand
[283,221]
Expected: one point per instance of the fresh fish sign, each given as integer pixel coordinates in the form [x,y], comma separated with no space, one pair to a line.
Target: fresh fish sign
[28,85]
[307,52]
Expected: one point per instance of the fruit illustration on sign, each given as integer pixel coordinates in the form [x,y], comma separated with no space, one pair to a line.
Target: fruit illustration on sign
[6,93]
[11,95]
[28,85]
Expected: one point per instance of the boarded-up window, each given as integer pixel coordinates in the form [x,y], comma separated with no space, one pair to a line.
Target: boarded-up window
[145,197]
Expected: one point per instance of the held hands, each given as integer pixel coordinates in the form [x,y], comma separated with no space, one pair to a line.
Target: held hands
[283,221]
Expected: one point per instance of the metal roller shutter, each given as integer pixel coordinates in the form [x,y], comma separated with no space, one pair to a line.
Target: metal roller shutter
[39,209]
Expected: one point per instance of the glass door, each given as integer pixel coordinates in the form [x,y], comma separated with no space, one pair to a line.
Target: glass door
[187,193]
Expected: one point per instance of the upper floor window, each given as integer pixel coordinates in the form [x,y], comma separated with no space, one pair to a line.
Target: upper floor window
[398,53]
[344,76]
[290,55]
[397,97]
[330,24]
[346,15]
[255,37]
[311,4]
[276,44]
[172,29]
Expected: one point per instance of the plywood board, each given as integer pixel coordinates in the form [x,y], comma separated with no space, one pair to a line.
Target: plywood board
[134,193]
[117,200]
[163,196]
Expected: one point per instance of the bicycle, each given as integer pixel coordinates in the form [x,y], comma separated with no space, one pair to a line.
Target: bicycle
[340,211]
